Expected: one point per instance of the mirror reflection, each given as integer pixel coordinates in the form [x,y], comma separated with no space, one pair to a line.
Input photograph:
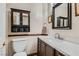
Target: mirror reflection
[25,19]
[16,18]
[60,15]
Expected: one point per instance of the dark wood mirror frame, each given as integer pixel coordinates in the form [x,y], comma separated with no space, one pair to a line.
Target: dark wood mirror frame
[69,16]
[21,27]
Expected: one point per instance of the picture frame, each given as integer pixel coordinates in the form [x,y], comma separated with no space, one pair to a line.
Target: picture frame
[76,9]
[49,19]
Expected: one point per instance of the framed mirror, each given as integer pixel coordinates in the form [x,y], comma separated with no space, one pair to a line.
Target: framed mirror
[62,16]
[20,20]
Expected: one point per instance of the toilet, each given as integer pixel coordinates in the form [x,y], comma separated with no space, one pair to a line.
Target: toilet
[19,46]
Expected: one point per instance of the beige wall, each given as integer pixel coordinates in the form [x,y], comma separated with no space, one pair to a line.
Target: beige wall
[70,35]
[38,16]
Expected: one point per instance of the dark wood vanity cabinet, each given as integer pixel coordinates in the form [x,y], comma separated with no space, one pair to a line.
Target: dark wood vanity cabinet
[46,50]
[49,51]
[57,53]
[41,48]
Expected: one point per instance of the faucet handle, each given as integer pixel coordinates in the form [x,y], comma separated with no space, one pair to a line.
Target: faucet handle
[57,36]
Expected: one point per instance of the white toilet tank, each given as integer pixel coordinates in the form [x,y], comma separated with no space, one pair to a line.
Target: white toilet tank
[19,45]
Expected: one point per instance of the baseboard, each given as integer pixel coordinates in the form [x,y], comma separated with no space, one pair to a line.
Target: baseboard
[32,54]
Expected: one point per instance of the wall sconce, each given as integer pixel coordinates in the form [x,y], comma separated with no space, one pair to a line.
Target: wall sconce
[50,19]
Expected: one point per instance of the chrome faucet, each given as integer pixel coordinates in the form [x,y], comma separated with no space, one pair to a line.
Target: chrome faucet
[57,35]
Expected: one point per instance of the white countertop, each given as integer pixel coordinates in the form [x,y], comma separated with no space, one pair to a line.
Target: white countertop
[63,46]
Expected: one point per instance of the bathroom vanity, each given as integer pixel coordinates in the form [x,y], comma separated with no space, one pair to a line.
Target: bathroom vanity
[44,49]
[55,47]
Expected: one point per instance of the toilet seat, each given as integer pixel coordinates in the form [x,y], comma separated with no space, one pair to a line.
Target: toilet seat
[20,54]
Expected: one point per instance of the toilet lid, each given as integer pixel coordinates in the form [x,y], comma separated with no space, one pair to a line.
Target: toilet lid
[20,54]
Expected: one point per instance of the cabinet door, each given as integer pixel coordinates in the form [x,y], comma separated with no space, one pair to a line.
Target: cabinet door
[42,48]
[49,51]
